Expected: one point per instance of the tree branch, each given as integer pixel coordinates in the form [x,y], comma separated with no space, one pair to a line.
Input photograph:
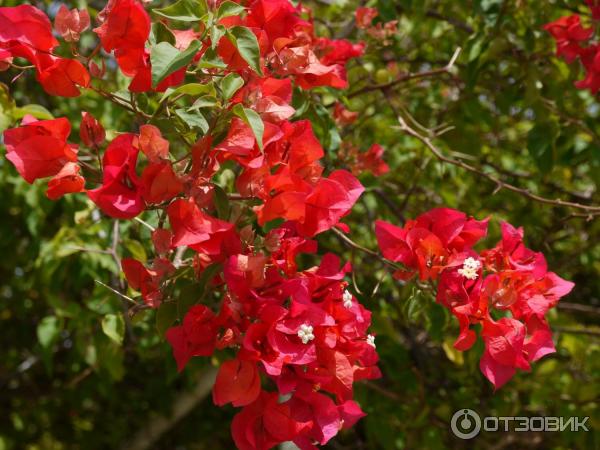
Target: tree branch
[408,77]
[497,181]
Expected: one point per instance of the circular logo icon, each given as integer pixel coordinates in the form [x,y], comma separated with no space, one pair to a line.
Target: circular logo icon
[465,424]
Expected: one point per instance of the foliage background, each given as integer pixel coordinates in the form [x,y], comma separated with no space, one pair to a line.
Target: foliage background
[515,113]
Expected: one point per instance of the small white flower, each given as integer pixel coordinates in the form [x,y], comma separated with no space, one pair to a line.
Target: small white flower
[347,299]
[470,268]
[371,340]
[305,333]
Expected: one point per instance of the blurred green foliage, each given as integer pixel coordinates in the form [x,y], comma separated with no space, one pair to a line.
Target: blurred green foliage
[75,375]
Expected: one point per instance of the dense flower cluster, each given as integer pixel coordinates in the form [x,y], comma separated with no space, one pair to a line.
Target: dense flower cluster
[570,35]
[27,33]
[507,289]
[303,330]
[299,338]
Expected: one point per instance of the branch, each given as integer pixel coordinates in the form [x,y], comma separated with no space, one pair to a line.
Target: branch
[408,77]
[184,404]
[359,247]
[570,330]
[578,307]
[497,181]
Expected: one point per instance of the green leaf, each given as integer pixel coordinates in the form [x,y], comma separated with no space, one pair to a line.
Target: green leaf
[166,59]
[113,326]
[191,89]
[247,45]
[136,249]
[216,33]
[193,119]
[230,85]
[37,111]
[160,33]
[47,331]
[228,8]
[7,108]
[210,60]
[253,120]
[165,316]
[184,10]
[206,101]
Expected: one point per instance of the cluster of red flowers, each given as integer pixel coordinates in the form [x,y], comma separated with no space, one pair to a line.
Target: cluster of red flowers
[507,289]
[570,34]
[26,32]
[303,330]
[380,31]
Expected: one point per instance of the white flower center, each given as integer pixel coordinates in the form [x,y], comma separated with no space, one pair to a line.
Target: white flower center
[347,299]
[371,340]
[305,333]
[470,268]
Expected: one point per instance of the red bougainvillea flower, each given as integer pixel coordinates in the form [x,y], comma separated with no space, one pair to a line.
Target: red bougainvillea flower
[595,8]
[125,24]
[425,244]
[264,424]
[125,29]
[332,198]
[303,64]
[372,160]
[323,417]
[120,195]
[361,162]
[152,144]
[28,26]
[67,181]
[343,116]
[278,18]
[70,24]
[270,97]
[238,383]
[147,281]
[568,33]
[39,149]
[61,76]
[199,231]
[195,337]
[160,183]
[590,58]
[314,209]
[364,17]
[26,32]
[503,350]
[337,51]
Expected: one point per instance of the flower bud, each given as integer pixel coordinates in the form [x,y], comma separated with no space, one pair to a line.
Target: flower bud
[91,132]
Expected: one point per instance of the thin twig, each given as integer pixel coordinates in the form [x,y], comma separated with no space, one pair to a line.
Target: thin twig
[500,184]
[408,77]
[146,224]
[353,244]
[114,291]
[578,307]
[570,330]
